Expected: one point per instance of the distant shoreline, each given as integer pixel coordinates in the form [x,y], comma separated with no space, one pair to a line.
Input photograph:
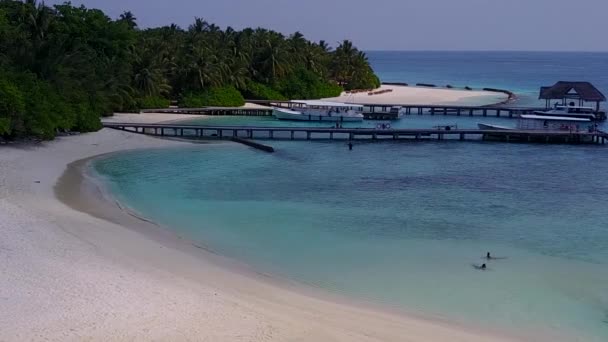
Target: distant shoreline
[389,94]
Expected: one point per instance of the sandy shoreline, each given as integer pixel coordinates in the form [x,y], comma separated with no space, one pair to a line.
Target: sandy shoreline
[104,275]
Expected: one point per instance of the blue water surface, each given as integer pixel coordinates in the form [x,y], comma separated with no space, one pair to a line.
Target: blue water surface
[399,223]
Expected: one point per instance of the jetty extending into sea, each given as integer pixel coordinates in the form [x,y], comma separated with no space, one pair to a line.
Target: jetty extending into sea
[370,111]
[350,134]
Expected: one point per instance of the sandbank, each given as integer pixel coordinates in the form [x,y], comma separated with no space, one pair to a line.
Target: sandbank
[410,95]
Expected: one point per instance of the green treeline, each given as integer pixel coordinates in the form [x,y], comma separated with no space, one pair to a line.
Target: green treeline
[63,67]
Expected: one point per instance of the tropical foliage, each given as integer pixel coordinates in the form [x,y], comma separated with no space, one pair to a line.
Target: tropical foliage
[62,67]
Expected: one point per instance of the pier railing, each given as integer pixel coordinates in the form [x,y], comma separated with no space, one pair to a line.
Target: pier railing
[370,111]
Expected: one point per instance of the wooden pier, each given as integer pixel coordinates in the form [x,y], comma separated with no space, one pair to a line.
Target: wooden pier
[322,133]
[370,111]
[214,111]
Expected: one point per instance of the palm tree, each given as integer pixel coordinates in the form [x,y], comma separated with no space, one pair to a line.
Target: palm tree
[276,58]
[350,66]
[324,46]
[129,18]
[200,25]
[205,68]
[149,74]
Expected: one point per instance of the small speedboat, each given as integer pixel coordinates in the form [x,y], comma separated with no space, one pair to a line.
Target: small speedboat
[493,127]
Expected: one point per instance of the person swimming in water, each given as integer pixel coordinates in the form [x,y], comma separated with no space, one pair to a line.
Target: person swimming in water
[483,267]
[490,257]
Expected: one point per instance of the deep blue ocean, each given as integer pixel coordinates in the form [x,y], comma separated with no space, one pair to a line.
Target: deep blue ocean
[401,223]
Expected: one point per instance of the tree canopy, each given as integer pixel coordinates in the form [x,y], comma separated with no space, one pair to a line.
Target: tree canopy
[63,67]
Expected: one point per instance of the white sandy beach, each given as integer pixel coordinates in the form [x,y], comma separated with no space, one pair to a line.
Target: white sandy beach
[421,95]
[70,276]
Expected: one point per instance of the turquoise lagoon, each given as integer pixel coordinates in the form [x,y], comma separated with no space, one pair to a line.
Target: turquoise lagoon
[399,224]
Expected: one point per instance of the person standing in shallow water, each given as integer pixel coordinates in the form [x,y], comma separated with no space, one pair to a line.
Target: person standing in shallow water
[350,146]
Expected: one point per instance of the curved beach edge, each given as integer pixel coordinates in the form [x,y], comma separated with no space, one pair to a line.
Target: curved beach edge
[89,270]
[399,94]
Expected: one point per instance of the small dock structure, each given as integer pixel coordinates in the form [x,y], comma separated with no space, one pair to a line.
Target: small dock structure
[349,134]
[573,93]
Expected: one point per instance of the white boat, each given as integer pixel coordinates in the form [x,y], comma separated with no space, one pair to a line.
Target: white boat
[493,127]
[570,111]
[316,110]
[538,122]
[552,123]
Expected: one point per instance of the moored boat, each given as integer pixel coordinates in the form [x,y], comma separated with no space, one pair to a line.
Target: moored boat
[570,111]
[538,122]
[551,123]
[493,127]
[315,110]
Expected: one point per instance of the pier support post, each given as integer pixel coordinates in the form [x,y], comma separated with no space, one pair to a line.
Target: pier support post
[219,133]
[374,136]
[271,134]
[307,135]
[471,112]
[461,136]
[162,132]
[155,131]
[331,135]
[497,112]
[485,112]
[351,136]
[235,132]
[458,112]
[445,110]
[250,133]
[292,133]
[432,110]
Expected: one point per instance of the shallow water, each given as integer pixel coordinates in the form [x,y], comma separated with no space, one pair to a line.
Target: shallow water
[399,223]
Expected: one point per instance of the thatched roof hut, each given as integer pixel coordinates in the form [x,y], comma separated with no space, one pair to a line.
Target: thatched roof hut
[569,91]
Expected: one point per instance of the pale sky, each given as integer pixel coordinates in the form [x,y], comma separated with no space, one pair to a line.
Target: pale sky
[554,25]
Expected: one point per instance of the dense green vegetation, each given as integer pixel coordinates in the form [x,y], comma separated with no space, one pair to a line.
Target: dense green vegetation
[63,67]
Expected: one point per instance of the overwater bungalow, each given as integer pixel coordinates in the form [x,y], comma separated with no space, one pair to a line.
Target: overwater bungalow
[573,96]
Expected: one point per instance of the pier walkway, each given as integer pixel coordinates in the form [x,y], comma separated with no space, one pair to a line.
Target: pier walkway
[370,111]
[323,133]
